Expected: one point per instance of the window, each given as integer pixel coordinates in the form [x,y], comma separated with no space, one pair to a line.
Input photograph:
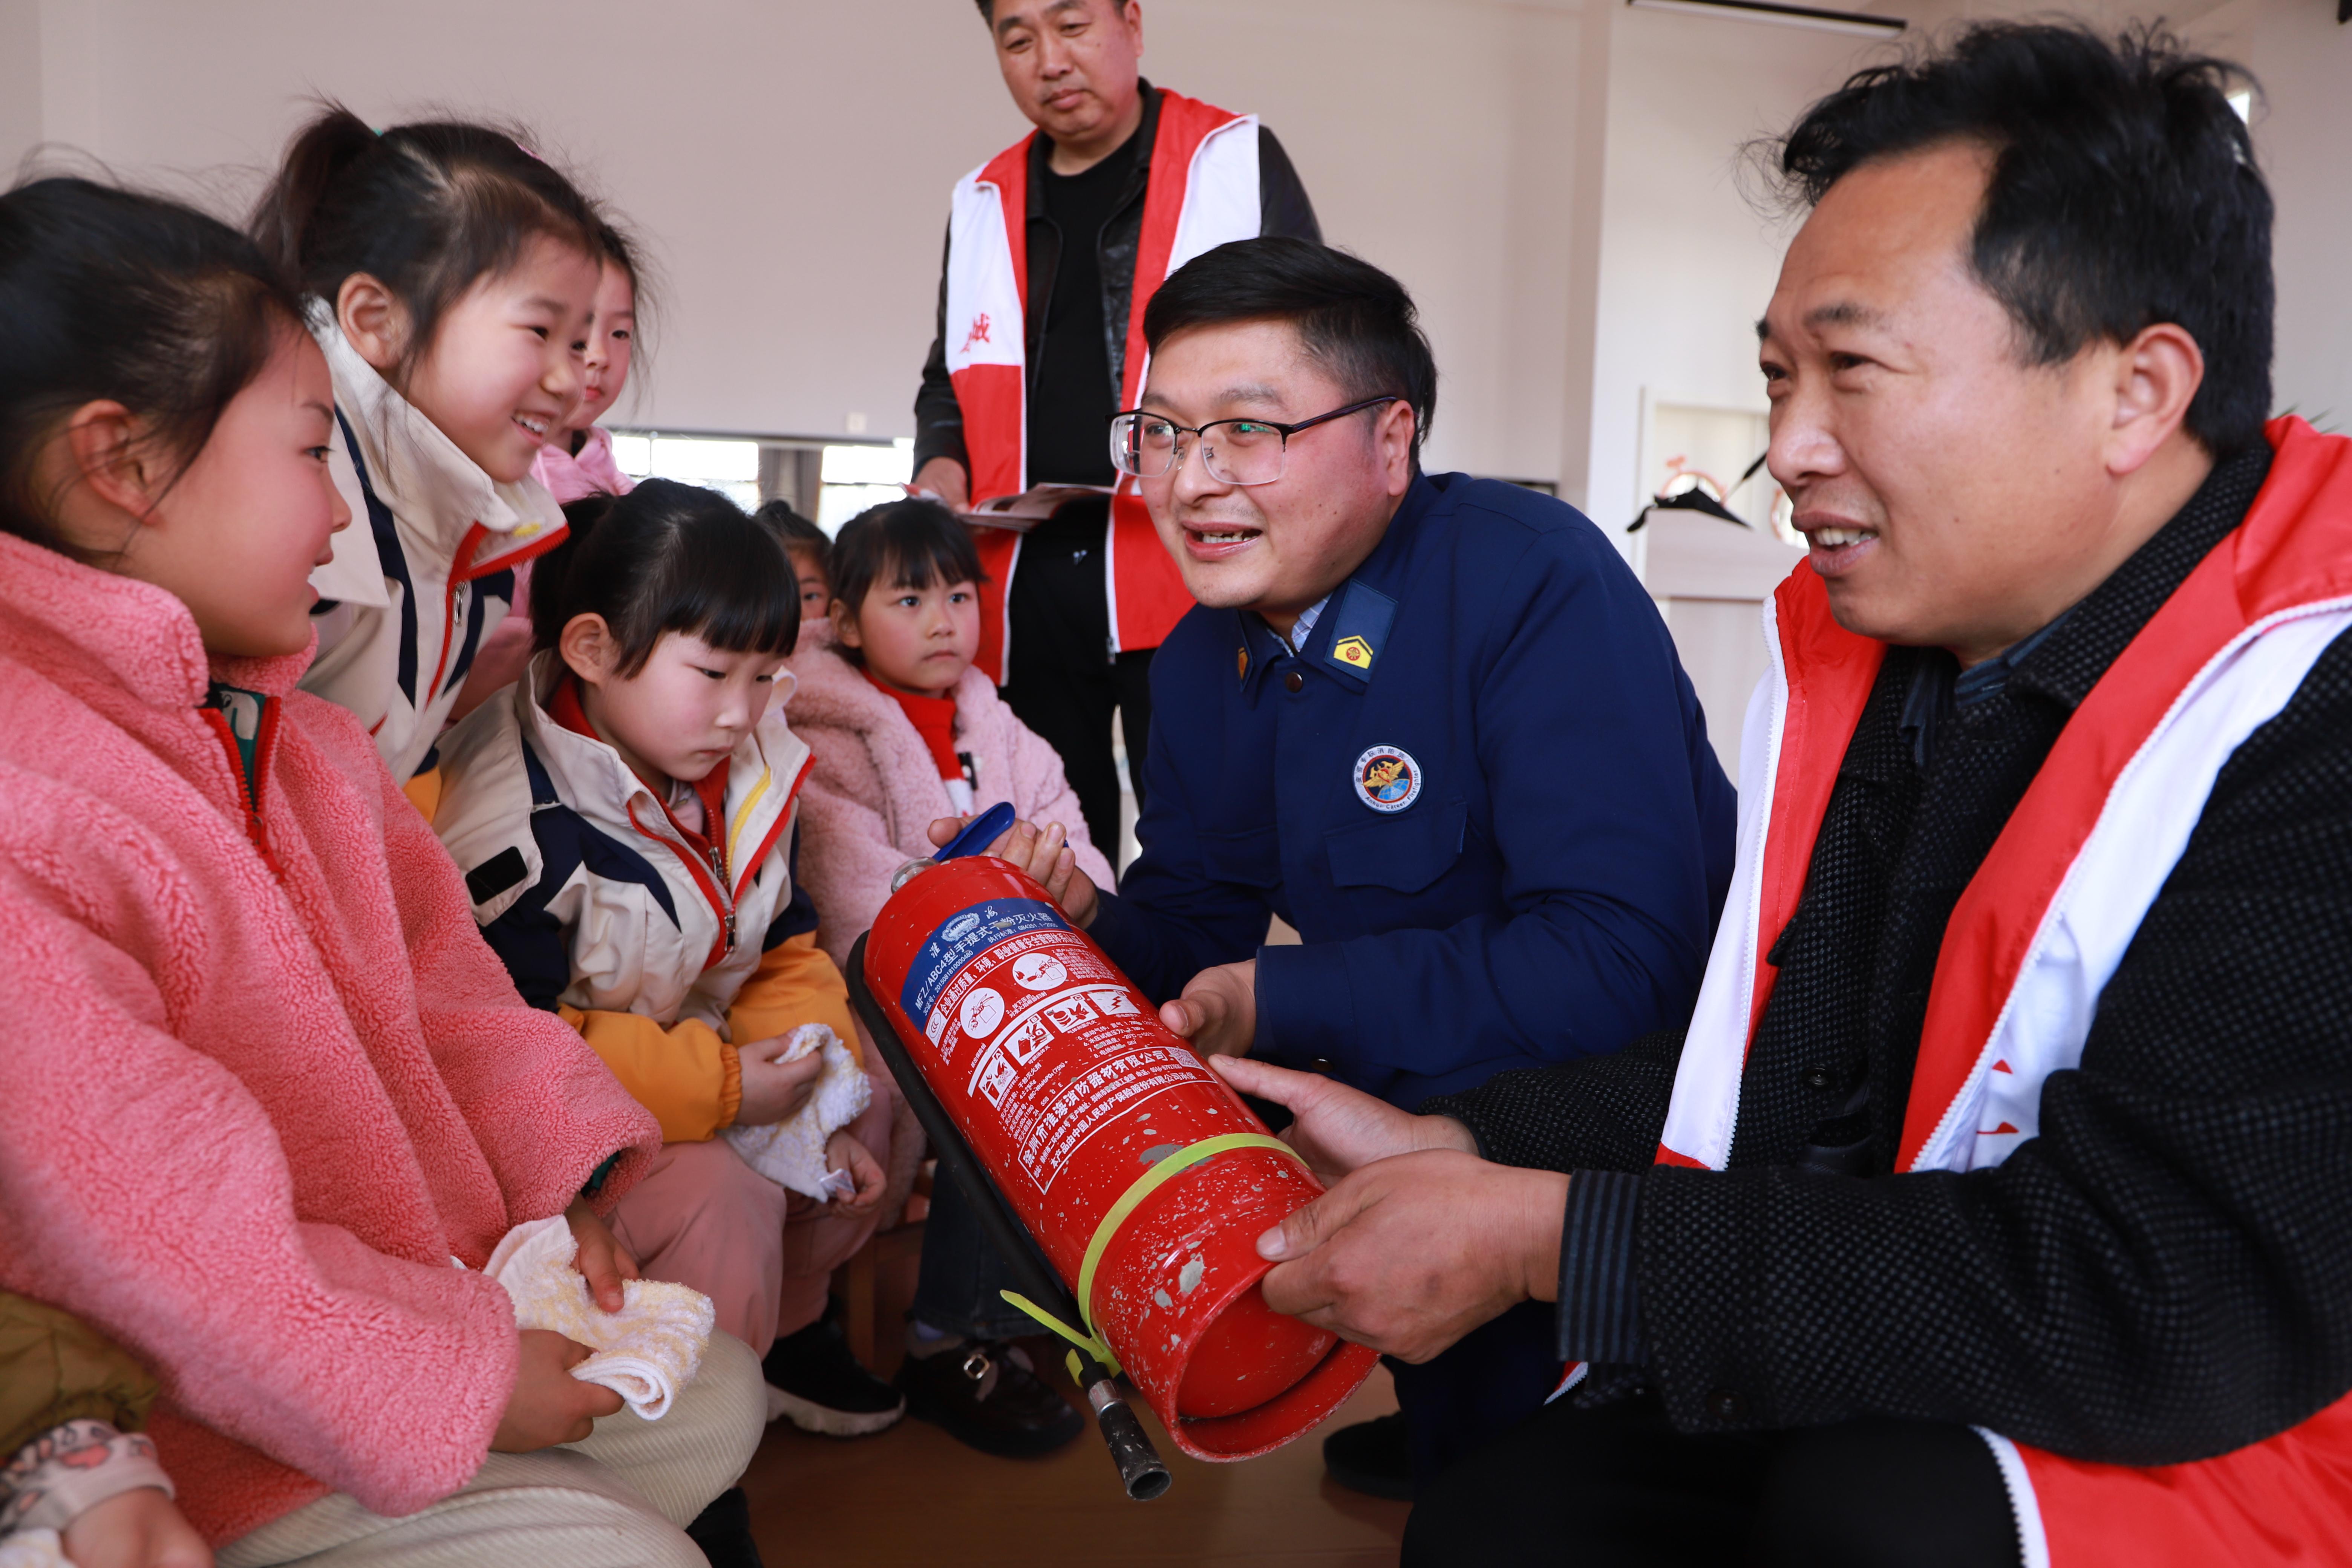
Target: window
[731,467]
[843,480]
[856,477]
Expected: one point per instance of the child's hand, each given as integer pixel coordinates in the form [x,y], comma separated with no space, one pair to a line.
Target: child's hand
[548,1405]
[1044,855]
[773,1090]
[843,1153]
[603,1261]
[137,1529]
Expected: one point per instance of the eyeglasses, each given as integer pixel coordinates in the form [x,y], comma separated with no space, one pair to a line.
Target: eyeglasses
[1235,451]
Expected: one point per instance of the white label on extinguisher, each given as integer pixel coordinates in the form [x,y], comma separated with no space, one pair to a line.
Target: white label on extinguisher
[1044,985]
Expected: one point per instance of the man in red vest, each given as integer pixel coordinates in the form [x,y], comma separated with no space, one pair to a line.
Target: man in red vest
[1055,247]
[1996,1206]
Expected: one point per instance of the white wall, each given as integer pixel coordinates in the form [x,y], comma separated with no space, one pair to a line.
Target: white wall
[2303,139]
[20,77]
[790,161]
[1553,180]
[1686,260]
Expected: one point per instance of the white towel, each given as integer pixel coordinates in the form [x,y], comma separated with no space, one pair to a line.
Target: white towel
[645,1352]
[791,1154]
[33,1549]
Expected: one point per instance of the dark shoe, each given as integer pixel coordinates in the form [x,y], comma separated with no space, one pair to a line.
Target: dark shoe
[813,1379]
[1372,1458]
[989,1397]
[723,1531]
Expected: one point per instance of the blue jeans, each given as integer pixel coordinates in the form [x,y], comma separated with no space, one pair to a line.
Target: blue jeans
[956,1293]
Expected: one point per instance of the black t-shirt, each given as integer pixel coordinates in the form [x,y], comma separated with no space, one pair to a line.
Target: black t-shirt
[1069,437]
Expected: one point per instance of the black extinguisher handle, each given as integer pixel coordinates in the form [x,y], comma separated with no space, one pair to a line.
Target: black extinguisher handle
[1140,1466]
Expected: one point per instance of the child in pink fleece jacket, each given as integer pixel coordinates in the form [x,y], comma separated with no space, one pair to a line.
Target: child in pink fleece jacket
[272,1101]
[906,732]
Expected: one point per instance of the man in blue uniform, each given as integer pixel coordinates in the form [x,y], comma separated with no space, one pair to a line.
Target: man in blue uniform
[1432,722]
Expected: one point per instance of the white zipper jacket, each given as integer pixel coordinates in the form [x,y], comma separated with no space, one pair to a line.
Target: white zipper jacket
[426,570]
[552,830]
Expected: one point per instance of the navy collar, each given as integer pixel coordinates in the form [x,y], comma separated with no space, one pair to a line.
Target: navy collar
[1353,631]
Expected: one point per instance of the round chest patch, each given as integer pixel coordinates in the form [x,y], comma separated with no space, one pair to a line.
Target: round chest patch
[1387,778]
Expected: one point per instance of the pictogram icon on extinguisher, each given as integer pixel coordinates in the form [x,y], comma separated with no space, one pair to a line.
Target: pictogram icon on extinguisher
[1141,1177]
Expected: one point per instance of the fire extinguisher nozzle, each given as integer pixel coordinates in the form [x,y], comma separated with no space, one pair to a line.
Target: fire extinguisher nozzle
[1141,1468]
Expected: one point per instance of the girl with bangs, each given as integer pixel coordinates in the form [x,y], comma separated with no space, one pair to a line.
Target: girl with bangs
[626,816]
[265,1082]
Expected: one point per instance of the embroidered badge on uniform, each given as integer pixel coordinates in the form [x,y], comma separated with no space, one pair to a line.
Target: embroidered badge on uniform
[1353,652]
[1387,779]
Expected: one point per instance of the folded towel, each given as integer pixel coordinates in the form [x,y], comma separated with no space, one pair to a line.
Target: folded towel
[791,1154]
[645,1352]
[33,1549]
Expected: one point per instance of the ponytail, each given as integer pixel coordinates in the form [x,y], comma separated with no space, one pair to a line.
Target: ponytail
[426,209]
[321,158]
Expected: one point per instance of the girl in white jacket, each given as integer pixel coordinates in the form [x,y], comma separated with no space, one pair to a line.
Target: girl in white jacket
[450,275]
[626,816]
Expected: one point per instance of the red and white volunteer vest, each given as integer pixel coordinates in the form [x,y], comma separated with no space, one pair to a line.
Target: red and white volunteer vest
[1202,193]
[2034,941]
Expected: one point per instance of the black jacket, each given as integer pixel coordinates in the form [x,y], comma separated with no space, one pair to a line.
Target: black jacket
[2165,1272]
[1283,209]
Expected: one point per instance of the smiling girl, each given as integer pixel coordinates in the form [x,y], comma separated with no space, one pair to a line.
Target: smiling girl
[450,276]
[579,461]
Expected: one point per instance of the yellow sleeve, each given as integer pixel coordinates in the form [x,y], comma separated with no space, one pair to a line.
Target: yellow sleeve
[424,792]
[686,1075]
[54,1368]
[795,983]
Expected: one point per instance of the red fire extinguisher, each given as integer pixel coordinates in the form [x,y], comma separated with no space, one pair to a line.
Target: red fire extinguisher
[1142,1178]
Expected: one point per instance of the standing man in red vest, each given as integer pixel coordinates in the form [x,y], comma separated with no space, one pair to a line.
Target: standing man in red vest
[1054,246]
[1996,1207]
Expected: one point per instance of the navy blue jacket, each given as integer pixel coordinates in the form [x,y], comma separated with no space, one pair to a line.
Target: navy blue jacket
[1482,793]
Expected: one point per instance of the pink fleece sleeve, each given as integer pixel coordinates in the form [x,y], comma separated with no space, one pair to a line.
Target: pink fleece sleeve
[542,1106]
[846,862]
[143,1189]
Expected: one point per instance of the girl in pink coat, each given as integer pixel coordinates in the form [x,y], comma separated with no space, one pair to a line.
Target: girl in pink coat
[270,1101]
[906,732]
